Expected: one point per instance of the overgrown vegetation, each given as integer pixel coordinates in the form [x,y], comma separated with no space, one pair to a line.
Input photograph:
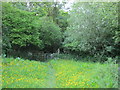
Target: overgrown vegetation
[19,73]
[84,75]
[79,47]
[89,29]
[23,30]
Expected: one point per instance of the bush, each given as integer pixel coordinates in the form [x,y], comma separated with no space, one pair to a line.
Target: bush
[50,34]
[19,27]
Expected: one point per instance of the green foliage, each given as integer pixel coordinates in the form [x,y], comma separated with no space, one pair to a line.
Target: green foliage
[38,7]
[91,27]
[6,45]
[22,27]
[62,20]
[25,29]
[34,26]
[50,33]
[117,37]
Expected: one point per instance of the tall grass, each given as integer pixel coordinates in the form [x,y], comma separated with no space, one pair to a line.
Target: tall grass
[77,74]
[20,73]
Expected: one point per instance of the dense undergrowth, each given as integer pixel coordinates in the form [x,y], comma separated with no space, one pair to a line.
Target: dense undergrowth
[20,73]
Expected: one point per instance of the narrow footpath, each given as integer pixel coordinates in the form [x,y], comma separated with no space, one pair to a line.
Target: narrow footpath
[51,77]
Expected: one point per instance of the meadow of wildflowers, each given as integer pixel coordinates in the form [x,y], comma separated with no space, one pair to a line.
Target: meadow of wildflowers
[19,73]
[76,74]
[24,74]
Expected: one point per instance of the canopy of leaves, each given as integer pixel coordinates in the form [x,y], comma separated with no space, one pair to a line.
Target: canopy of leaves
[25,29]
[20,27]
[50,34]
[91,27]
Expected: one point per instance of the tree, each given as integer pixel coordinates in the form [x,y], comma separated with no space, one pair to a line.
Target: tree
[23,30]
[91,28]
[20,28]
[50,34]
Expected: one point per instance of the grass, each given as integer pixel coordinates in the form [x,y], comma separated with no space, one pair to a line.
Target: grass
[0,73]
[24,74]
[72,74]
[19,73]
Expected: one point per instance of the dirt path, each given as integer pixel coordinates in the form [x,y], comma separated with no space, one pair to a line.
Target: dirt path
[51,77]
